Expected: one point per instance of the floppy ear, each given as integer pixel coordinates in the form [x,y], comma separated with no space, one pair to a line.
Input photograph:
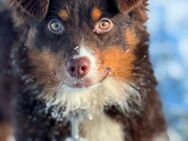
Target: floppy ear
[128,5]
[34,8]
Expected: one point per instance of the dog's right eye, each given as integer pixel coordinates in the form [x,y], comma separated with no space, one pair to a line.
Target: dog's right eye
[56,27]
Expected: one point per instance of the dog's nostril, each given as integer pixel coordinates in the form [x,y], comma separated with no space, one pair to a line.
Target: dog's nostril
[72,69]
[78,67]
[84,68]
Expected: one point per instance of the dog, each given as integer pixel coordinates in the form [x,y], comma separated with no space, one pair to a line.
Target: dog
[84,62]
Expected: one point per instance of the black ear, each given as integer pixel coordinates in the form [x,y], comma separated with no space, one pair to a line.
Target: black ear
[34,8]
[128,5]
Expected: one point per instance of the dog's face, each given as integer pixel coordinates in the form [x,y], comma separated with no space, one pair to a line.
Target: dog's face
[79,45]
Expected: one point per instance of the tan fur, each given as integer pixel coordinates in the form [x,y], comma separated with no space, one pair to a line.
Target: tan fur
[122,63]
[64,15]
[96,14]
[47,63]
[131,38]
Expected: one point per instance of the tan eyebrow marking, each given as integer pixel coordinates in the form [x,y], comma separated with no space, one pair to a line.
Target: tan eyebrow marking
[64,15]
[96,14]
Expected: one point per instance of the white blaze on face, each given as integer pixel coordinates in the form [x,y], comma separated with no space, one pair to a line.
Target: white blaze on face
[92,76]
[84,51]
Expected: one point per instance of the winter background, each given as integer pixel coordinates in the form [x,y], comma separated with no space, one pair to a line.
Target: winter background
[168,25]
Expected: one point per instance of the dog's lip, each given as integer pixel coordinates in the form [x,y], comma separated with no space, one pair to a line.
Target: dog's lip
[86,84]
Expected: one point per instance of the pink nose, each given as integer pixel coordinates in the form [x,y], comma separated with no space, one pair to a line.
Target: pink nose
[78,67]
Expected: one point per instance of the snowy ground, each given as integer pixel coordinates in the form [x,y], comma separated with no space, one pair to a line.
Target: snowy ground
[168,26]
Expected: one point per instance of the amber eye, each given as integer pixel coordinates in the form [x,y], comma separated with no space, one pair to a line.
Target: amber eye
[55,26]
[103,26]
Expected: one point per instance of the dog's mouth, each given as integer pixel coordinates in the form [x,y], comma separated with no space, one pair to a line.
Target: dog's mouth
[88,82]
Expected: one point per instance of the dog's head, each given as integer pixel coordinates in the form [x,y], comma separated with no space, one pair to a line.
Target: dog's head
[78,46]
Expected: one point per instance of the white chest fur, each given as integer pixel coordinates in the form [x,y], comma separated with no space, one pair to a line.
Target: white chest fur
[93,100]
[101,128]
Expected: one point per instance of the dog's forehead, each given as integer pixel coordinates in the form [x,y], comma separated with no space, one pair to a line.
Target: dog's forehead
[76,4]
[71,9]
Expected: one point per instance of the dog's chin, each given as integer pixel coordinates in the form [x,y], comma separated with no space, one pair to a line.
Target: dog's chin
[83,84]
[87,84]
[79,88]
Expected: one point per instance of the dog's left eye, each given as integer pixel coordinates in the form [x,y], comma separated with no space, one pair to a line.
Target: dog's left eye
[103,26]
[55,26]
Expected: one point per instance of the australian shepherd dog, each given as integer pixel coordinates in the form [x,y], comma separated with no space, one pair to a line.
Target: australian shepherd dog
[84,71]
